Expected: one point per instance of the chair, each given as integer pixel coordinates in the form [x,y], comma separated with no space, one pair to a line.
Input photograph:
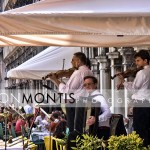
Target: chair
[1,132]
[117,125]
[48,140]
[40,143]
[2,136]
[32,146]
[13,131]
[58,145]
[24,132]
[51,142]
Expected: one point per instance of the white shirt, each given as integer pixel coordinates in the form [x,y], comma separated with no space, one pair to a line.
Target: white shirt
[106,113]
[140,87]
[40,120]
[75,83]
[28,109]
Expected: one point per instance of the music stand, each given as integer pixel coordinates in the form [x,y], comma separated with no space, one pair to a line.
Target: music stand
[21,125]
[5,117]
[50,125]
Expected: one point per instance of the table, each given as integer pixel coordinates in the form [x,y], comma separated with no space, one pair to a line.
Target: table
[38,135]
[10,148]
[17,144]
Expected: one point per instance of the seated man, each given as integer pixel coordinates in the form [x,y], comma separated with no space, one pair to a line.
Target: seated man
[41,121]
[90,84]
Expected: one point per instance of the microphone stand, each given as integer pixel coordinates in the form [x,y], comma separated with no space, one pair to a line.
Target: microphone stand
[5,117]
[22,136]
[21,125]
[5,131]
[50,136]
[36,114]
[50,126]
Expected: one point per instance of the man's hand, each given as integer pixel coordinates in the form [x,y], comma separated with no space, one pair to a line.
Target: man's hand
[91,120]
[121,81]
[54,79]
[121,78]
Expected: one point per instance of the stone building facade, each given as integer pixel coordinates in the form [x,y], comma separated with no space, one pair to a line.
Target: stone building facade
[106,61]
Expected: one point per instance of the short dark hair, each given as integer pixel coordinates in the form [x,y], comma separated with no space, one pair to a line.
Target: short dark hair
[55,115]
[88,63]
[91,77]
[81,56]
[143,54]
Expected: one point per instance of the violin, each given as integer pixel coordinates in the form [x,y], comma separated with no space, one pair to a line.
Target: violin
[128,73]
[61,73]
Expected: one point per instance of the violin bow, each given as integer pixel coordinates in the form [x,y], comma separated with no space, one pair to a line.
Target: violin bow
[63,67]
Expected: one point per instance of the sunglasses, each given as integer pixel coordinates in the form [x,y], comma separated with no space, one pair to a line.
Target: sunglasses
[88,84]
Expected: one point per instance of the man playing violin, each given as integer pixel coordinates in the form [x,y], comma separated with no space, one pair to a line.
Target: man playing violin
[74,85]
[140,89]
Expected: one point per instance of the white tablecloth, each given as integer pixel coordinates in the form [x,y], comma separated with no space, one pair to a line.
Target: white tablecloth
[40,135]
[17,144]
[12,148]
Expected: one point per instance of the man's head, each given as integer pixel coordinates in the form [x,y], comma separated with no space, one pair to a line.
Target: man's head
[142,58]
[79,59]
[42,115]
[90,83]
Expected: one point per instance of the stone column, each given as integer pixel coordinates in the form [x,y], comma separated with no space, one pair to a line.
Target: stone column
[94,67]
[112,55]
[91,52]
[127,60]
[85,51]
[103,74]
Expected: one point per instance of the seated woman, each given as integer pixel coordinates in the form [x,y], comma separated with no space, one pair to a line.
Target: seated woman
[20,122]
[55,118]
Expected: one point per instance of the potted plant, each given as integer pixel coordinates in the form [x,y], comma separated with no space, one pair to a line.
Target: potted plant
[130,142]
[89,142]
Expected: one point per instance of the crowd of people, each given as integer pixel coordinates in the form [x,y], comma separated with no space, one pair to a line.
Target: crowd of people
[22,122]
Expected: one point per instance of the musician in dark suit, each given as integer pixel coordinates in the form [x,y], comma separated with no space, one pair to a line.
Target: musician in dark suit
[103,130]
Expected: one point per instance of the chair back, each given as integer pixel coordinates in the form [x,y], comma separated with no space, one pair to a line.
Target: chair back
[51,142]
[24,131]
[1,132]
[13,131]
[117,125]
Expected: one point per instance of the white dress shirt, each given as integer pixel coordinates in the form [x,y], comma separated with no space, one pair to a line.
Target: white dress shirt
[75,83]
[39,120]
[106,113]
[140,87]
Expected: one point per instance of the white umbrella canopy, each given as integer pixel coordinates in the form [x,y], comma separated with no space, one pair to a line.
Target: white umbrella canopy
[49,60]
[77,23]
